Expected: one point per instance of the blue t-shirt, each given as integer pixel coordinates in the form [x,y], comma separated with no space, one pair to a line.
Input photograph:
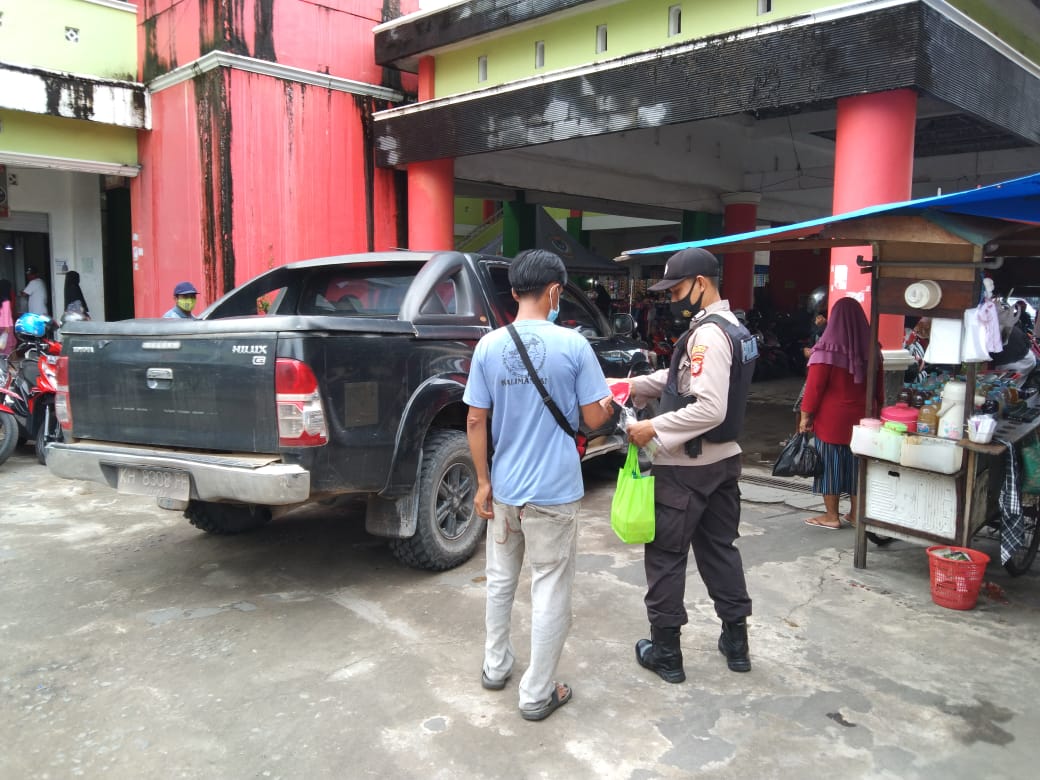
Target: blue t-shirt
[535,461]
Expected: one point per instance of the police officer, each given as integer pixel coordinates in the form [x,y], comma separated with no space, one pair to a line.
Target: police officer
[703,396]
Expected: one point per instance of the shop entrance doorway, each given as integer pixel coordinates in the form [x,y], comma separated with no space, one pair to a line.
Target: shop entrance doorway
[21,249]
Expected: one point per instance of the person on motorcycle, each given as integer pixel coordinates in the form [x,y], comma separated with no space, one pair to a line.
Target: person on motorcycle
[184,295]
[7,338]
[1017,355]
[1025,322]
[35,292]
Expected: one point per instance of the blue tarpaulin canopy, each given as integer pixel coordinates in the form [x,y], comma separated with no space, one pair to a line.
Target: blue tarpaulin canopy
[1001,219]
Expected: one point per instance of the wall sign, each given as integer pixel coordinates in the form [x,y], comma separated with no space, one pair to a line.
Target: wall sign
[3,192]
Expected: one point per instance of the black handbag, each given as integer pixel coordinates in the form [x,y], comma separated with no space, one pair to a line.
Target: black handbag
[798,458]
[580,440]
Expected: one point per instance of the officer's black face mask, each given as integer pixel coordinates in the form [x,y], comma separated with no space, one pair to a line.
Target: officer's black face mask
[683,310]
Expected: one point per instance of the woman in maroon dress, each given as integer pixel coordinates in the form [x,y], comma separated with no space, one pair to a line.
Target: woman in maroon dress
[835,400]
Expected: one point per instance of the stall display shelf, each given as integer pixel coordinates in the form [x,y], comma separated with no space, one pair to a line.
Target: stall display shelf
[915,504]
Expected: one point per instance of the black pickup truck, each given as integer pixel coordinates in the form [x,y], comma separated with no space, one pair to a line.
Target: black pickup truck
[316,380]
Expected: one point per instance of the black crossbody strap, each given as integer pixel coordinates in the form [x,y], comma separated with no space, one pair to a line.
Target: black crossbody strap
[537,382]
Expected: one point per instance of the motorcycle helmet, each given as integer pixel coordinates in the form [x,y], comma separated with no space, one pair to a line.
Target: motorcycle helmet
[817,301]
[32,325]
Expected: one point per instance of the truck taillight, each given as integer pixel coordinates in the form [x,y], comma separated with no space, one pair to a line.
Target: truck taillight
[301,417]
[62,408]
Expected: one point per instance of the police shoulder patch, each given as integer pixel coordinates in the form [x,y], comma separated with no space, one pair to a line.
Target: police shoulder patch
[697,362]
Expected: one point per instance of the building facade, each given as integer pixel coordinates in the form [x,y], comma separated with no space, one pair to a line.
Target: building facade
[148,143]
[761,111]
[260,151]
[151,142]
[70,113]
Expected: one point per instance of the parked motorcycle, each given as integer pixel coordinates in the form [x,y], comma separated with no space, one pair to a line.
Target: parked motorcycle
[8,422]
[29,384]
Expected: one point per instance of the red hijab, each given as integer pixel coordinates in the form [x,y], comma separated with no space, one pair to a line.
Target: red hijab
[845,342]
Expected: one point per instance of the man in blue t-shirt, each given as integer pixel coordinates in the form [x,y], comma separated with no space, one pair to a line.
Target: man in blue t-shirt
[534,490]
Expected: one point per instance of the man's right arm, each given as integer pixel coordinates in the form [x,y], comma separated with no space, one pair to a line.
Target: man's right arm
[476,434]
[598,413]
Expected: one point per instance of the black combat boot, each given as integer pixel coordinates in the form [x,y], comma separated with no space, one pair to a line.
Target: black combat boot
[734,645]
[662,654]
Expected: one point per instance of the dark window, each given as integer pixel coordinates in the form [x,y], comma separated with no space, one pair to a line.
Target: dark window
[365,291]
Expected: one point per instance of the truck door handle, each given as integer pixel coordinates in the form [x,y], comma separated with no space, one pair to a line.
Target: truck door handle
[159,378]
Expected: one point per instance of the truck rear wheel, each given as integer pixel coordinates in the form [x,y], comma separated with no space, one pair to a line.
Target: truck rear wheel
[448,530]
[226,519]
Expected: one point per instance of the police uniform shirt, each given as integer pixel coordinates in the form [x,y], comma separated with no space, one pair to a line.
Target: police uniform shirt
[704,374]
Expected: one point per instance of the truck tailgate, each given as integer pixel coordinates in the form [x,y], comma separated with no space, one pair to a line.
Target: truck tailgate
[212,392]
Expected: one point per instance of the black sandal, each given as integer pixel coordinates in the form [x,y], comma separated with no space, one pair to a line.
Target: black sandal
[493,685]
[555,702]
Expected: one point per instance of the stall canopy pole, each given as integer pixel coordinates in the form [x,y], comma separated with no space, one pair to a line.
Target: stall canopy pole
[859,559]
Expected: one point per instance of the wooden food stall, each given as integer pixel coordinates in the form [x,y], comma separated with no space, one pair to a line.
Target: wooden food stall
[942,498]
[950,241]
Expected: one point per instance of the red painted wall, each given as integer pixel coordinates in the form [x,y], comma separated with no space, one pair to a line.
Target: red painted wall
[166,204]
[793,275]
[329,36]
[299,180]
[242,172]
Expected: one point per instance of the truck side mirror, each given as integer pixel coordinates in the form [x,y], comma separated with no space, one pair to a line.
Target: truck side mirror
[624,324]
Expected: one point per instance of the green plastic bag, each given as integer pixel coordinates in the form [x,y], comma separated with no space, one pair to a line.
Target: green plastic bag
[632,511]
[1030,467]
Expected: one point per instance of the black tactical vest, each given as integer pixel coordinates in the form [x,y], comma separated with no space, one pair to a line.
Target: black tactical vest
[745,352]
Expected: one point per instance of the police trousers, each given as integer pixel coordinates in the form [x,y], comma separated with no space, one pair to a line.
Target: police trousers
[696,507]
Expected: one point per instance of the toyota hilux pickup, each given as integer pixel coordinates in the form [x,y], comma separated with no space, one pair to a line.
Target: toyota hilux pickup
[315,381]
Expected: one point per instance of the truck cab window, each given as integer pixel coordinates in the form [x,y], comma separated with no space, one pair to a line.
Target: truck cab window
[577,314]
[353,292]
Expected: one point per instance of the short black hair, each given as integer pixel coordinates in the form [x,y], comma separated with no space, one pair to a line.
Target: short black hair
[535,269]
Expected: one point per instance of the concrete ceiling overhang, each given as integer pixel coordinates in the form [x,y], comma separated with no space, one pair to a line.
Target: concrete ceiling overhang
[74,96]
[673,128]
[400,42]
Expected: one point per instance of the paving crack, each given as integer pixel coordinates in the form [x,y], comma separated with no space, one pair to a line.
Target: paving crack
[817,591]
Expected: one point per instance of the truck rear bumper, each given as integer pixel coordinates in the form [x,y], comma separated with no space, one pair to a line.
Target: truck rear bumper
[238,478]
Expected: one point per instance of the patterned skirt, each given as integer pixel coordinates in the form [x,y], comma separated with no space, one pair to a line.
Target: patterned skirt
[840,470]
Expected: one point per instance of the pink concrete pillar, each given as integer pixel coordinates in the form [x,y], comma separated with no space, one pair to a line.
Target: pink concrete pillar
[873,164]
[431,186]
[431,205]
[738,269]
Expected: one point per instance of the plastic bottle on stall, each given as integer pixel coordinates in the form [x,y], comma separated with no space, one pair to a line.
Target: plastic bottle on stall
[918,399]
[928,419]
[904,395]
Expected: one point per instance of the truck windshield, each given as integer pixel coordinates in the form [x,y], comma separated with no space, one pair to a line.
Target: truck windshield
[576,311]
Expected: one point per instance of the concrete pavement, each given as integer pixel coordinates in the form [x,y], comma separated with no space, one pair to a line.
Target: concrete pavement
[135,646]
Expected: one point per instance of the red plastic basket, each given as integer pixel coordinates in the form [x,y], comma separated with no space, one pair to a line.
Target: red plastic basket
[955,584]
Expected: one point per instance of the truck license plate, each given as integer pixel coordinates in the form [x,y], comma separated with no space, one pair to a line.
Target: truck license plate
[161,483]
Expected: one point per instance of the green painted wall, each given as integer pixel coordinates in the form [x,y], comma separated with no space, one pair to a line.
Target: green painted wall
[993,16]
[642,25]
[633,26]
[32,32]
[469,211]
[73,138]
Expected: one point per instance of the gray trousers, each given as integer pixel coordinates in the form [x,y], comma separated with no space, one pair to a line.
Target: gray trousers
[549,534]
[698,507]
